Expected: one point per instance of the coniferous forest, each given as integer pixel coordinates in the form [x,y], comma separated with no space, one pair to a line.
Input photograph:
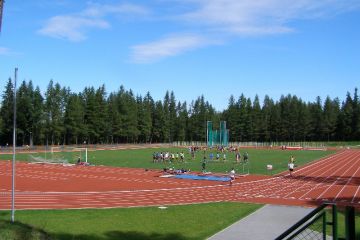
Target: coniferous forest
[60,116]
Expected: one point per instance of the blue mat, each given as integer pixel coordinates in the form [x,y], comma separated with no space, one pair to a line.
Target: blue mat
[203,177]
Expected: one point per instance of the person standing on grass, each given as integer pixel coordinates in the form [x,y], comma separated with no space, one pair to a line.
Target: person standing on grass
[154,157]
[291,167]
[203,165]
[238,156]
[182,156]
[193,154]
[232,176]
[246,157]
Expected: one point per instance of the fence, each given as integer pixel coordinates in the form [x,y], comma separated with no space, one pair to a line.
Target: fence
[319,225]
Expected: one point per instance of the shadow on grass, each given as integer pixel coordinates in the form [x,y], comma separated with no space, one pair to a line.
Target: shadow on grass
[118,235]
[21,231]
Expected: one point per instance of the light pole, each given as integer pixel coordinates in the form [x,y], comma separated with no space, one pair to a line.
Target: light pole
[14,155]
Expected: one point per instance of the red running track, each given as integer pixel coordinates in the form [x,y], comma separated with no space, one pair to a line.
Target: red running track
[332,179]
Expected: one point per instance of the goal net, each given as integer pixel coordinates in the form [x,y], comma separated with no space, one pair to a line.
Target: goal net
[62,155]
[70,154]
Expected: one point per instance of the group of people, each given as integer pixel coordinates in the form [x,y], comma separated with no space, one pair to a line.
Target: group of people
[217,156]
[227,149]
[175,171]
[245,157]
[237,157]
[167,156]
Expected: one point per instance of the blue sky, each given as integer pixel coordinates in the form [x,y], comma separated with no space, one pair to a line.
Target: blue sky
[211,47]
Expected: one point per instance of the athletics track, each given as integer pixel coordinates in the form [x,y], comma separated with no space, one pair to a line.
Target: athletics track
[335,178]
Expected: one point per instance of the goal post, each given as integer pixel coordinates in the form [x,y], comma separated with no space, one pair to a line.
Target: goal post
[82,154]
[70,154]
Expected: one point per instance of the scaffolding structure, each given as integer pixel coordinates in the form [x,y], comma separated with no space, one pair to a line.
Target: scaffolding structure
[217,137]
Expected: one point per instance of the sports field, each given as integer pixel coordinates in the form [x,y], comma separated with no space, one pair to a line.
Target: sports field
[129,185]
[142,158]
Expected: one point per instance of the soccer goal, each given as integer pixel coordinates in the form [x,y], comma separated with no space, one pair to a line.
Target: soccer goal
[70,154]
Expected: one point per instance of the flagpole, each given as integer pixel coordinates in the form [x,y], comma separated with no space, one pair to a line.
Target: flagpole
[14,154]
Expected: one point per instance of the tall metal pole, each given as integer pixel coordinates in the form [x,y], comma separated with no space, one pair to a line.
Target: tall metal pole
[1,12]
[14,154]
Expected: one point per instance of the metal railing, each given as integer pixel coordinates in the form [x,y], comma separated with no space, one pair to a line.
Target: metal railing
[320,225]
[314,226]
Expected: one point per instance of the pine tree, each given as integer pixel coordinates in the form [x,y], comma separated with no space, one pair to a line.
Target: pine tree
[355,125]
[1,126]
[167,121]
[331,112]
[90,115]
[37,124]
[181,123]
[101,116]
[257,121]
[24,114]
[114,119]
[148,106]
[275,123]
[158,123]
[285,121]
[232,118]
[54,110]
[172,116]
[144,119]
[7,113]
[241,124]
[304,122]
[73,119]
[345,119]
[268,105]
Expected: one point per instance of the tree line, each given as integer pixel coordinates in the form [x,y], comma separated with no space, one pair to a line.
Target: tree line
[60,116]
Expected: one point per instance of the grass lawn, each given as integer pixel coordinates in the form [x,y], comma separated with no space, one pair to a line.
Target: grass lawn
[142,158]
[341,224]
[174,223]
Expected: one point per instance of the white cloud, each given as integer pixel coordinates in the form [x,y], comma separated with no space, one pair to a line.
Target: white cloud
[4,51]
[166,47]
[236,18]
[261,17]
[73,27]
[97,10]
[8,52]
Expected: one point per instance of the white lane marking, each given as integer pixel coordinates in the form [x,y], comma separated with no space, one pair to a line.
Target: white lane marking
[337,179]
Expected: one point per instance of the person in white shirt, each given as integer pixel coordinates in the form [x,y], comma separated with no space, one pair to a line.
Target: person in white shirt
[291,167]
[232,176]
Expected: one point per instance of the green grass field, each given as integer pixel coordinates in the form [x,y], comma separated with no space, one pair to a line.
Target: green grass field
[341,224]
[142,158]
[174,223]
[188,222]
[317,226]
